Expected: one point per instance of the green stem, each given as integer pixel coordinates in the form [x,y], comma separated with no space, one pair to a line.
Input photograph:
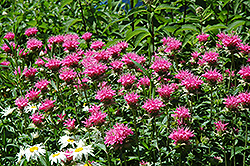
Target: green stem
[136,133]
[83,18]
[244,156]
[211,104]
[155,129]
[152,137]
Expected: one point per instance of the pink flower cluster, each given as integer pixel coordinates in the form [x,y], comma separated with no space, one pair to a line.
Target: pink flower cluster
[181,135]
[95,70]
[70,124]
[210,57]
[33,94]
[118,134]
[144,81]
[105,94]
[67,75]
[97,45]
[127,80]
[131,98]
[47,105]
[220,127]
[181,114]
[127,59]
[171,44]
[37,118]
[165,91]
[53,64]
[42,84]
[6,48]
[70,45]
[114,51]
[245,72]
[102,55]
[161,65]
[34,44]
[96,117]
[116,65]
[232,102]
[29,72]
[202,37]
[153,106]
[71,60]
[244,98]
[182,74]
[87,36]
[192,83]
[31,31]
[21,102]
[212,76]
[9,36]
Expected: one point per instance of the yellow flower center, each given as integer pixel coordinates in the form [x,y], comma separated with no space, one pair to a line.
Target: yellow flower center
[33,148]
[33,106]
[57,154]
[87,164]
[70,140]
[79,149]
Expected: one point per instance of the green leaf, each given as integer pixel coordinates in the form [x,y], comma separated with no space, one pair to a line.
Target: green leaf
[214,27]
[235,25]
[135,32]
[189,27]
[145,145]
[238,149]
[140,66]
[64,3]
[32,23]
[140,37]
[71,22]
[54,85]
[165,6]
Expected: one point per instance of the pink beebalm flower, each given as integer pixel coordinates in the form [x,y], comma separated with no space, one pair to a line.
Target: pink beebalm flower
[118,134]
[70,124]
[69,155]
[181,113]
[89,61]
[95,70]
[153,106]
[23,52]
[5,64]
[71,60]
[131,98]
[82,83]
[245,72]
[29,72]
[212,76]
[59,39]
[33,94]
[183,74]
[21,102]
[6,48]
[71,37]
[18,71]
[67,75]
[123,45]
[97,118]
[37,118]
[42,84]
[53,64]
[87,123]
[117,65]
[231,41]
[165,91]
[230,73]
[160,65]
[220,127]
[70,45]
[201,62]
[232,102]
[47,105]
[102,55]
[127,59]
[192,83]
[144,81]
[195,55]
[40,62]
[210,57]
[52,39]
[114,51]
[89,53]
[61,117]
[202,37]
[171,44]
[105,94]
[244,98]
[127,80]
[221,36]
[87,36]
[31,31]
[245,49]
[34,44]
[96,45]
[9,36]
[181,135]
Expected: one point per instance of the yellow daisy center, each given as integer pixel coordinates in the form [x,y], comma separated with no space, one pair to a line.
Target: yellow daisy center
[33,148]
[79,149]
[70,140]
[33,106]
[57,154]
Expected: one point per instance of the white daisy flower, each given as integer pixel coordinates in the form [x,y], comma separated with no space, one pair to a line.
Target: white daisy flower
[82,150]
[7,111]
[57,157]
[20,155]
[33,152]
[66,140]
[31,108]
